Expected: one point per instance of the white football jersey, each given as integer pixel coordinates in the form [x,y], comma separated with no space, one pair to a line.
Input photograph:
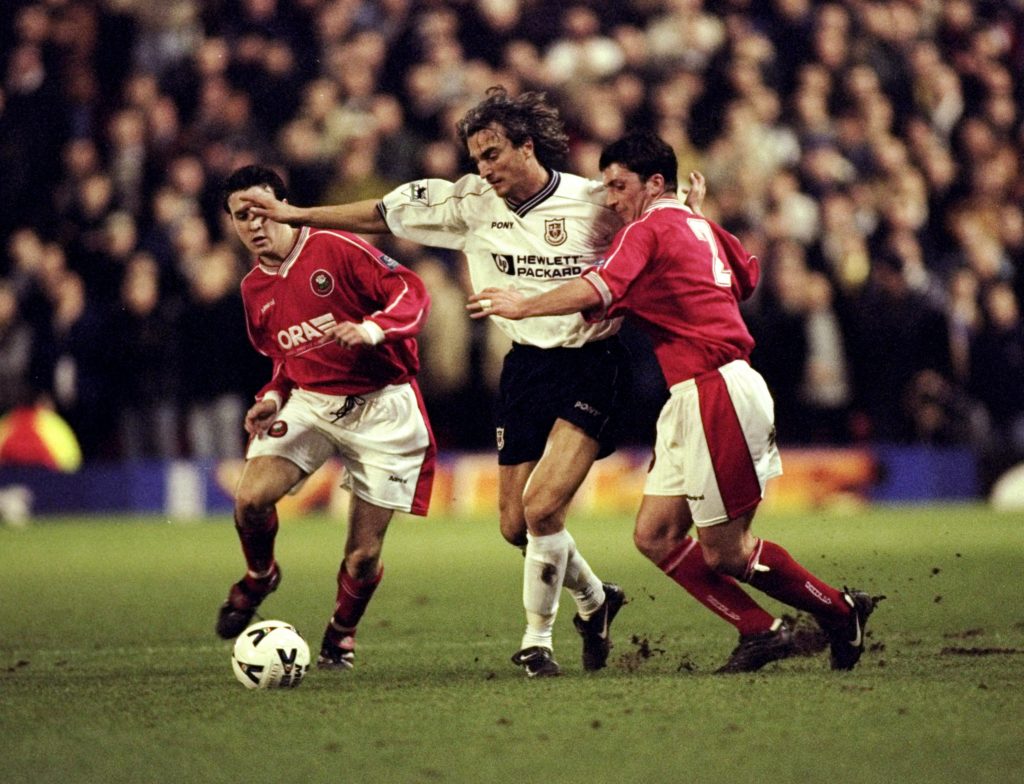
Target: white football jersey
[533,246]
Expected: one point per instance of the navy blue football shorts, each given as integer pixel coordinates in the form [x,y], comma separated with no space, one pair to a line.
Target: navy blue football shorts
[585,386]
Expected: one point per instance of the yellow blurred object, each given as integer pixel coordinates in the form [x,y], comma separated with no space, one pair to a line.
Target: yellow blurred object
[38,436]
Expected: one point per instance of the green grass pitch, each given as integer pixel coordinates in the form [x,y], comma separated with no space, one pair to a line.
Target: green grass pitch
[110,672]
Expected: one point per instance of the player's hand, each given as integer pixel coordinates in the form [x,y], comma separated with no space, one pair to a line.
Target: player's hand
[350,335]
[507,303]
[698,190]
[267,205]
[260,417]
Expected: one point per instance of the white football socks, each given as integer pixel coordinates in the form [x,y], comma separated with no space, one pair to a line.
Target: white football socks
[583,584]
[543,575]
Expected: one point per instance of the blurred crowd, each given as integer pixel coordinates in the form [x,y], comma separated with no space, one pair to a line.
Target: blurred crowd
[868,151]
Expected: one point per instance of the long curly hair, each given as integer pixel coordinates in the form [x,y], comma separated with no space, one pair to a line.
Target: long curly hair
[528,116]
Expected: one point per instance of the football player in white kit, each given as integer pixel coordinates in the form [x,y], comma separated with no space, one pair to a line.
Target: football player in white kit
[521,222]
[682,278]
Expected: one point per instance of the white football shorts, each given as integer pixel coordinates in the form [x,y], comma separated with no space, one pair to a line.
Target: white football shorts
[715,444]
[382,438]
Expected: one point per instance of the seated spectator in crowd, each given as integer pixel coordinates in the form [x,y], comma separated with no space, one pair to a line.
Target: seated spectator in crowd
[859,132]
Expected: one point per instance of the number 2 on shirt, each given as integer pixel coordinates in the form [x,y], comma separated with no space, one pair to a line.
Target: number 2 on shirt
[702,230]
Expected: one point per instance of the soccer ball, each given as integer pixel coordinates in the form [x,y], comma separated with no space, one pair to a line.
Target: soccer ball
[270,655]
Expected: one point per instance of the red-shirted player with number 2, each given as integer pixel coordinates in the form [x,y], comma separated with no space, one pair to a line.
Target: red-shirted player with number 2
[681,277]
[339,318]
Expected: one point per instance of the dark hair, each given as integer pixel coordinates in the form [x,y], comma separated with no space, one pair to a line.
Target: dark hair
[644,153]
[247,177]
[529,116]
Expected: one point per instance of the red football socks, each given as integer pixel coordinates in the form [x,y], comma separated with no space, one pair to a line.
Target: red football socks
[257,538]
[773,570]
[353,597]
[719,593]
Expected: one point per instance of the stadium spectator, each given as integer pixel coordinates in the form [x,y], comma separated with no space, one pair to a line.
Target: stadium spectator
[146,392]
[339,319]
[682,277]
[562,381]
[78,364]
[997,357]
[887,113]
[212,338]
[16,346]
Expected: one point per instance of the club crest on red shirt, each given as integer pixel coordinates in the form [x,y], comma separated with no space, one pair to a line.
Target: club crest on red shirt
[321,282]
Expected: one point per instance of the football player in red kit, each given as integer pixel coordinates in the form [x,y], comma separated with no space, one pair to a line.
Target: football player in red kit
[682,277]
[338,318]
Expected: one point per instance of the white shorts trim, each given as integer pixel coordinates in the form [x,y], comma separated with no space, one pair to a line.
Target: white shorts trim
[715,444]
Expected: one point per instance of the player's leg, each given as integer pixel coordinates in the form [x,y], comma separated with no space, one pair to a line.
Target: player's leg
[535,654]
[511,515]
[553,411]
[592,383]
[706,472]
[359,575]
[737,423]
[568,456]
[264,481]
[292,449]
[661,534]
[732,549]
[388,451]
[549,548]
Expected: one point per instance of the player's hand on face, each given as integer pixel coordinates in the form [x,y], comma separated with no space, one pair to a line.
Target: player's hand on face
[507,303]
[350,335]
[260,417]
[698,190]
[267,205]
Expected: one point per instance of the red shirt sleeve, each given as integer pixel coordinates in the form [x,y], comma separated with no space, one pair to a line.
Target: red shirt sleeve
[383,280]
[746,269]
[612,276]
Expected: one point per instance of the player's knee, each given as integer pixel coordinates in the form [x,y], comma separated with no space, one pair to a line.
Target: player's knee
[647,541]
[723,561]
[514,532]
[543,510]
[656,535]
[252,507]
[363,563]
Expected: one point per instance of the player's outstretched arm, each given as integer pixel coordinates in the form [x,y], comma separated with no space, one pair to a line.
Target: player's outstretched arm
[572,296]
[361,217]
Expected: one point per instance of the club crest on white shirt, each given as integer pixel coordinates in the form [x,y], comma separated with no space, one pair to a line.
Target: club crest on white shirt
[554,231]
[321,282]
[418,192]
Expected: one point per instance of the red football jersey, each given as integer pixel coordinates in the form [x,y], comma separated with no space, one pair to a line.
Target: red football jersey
[331,277]
[682,277]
